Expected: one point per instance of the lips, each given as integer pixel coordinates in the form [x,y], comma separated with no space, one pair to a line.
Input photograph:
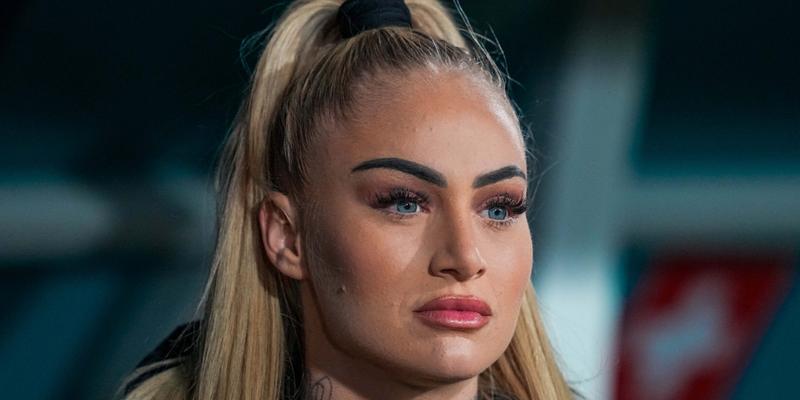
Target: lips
[455,312]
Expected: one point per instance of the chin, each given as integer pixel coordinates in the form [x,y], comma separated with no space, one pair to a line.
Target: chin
[456,373]
[454,360]
[444,373]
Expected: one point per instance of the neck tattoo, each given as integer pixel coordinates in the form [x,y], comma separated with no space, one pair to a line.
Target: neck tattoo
[322,389]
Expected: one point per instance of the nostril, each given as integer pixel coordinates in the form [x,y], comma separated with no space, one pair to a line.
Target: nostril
[460,273]
[451,271]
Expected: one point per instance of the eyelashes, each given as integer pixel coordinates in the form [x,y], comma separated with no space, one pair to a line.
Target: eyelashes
[402,202]
[514,204]
[400,195]
[513,207]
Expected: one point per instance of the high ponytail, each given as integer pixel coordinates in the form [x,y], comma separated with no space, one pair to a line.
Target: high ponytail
[249,345]
[243,346]
[245,342]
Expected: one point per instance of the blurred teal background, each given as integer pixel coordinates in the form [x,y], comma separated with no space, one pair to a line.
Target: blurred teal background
[662,127]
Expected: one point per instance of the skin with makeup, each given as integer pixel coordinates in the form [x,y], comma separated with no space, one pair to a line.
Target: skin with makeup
[372,236]
[422,249]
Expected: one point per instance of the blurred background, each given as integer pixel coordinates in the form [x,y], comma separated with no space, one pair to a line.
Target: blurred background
[666,226]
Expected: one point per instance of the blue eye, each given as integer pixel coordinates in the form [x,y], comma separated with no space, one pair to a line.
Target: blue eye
[401,202]
[406,207]
[498,213]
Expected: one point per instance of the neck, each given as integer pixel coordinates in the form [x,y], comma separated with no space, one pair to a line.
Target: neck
[323,386]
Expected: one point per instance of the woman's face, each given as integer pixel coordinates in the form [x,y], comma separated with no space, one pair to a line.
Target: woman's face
[421,198]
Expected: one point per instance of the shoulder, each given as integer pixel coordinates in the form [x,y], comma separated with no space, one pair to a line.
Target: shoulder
[174,351]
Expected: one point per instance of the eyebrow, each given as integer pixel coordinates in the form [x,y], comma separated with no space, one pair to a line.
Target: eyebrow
[429,174]
[409,167]
[497,175]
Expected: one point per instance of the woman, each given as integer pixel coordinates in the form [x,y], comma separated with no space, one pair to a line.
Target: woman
[372,234]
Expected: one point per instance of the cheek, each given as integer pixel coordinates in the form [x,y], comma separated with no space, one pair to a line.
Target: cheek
[362,267]
[520,261]
[512,261]
[364,282]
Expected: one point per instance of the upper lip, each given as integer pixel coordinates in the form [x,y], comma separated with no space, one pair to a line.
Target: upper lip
[457,303]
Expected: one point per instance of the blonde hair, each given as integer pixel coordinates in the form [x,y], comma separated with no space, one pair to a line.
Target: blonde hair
[307,78]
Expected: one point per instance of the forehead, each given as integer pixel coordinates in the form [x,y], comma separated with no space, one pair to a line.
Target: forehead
[448,121]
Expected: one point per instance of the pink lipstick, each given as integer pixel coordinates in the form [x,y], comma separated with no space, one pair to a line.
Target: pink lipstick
[455,312]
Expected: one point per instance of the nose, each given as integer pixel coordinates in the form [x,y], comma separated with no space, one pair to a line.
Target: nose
[457,254]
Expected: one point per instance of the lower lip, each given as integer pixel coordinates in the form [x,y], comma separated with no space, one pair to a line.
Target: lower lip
[453,319]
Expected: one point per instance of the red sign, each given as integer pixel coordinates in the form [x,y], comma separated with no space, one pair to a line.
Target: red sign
[692,323]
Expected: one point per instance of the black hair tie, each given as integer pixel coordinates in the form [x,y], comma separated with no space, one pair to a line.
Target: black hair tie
[356,16]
